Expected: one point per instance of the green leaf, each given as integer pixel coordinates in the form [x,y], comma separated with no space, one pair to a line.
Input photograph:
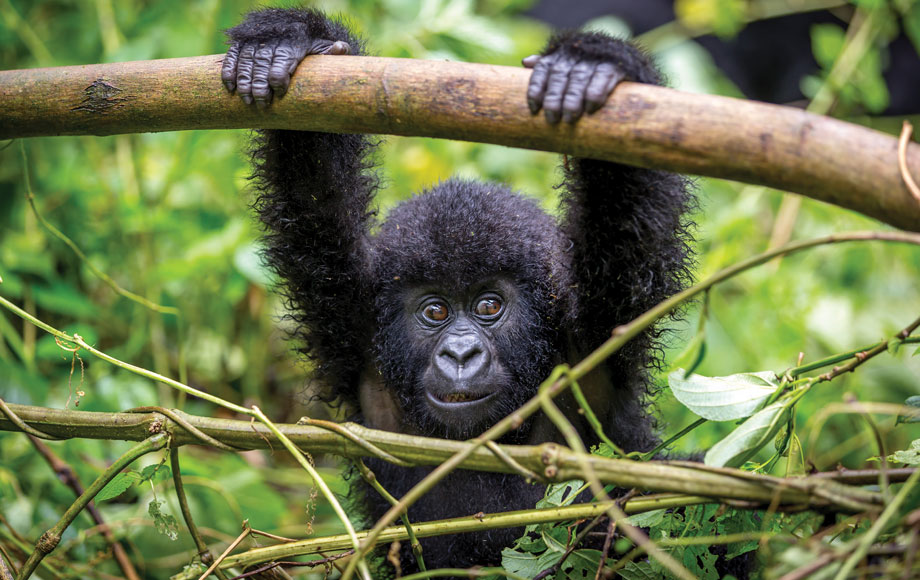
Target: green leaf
[647,519]
[742,443]
[723,398]
[119,484]
[912,25]
[827,41]
[531,545]
[156,472]
[581,564]
[909,456]
[700,562]
[560,494]
[603,450]
[640,571]
[556,538]
[527,565]
[164,522]
[894,346]
[914,403]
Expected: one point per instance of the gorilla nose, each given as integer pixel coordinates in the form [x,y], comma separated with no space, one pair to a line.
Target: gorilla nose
[461,357]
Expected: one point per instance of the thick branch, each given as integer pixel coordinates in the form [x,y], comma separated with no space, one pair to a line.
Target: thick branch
[551,461]
[781,147]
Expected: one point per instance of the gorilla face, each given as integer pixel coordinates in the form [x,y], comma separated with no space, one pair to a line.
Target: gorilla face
[464,373]
[466,361]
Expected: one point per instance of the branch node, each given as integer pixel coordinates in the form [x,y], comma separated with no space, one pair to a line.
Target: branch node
[48,542]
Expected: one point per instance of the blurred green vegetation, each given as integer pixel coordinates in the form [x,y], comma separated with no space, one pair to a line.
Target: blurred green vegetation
[166,216]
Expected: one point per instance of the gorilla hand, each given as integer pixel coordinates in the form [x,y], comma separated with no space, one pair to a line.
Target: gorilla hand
[578,71]
[264,52]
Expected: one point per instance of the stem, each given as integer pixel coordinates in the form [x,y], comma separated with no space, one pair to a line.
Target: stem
[324,489]
[371,479]
[203,552]
[76,339]
[614,512]
[50,539]
[69,477]
[456,526]
[865,542]
[673,438]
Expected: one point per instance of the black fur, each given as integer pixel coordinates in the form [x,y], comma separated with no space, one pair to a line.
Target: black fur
[620,248]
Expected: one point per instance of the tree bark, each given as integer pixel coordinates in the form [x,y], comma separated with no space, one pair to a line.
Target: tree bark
[789,149]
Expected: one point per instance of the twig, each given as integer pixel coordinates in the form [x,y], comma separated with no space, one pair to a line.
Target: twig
[834,359]
[67,475]
[176,415]
[239,539]
[50,539]
[5,572]
[864,542]
[348,434]
[371,478]
[311,564]
[673,438]
[528,475]
[861,357]
[605,551]
[883,480]
[204,553]
[593,420]
[324,489]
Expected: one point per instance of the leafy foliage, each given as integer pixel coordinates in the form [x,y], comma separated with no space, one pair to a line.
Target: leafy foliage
[723,398]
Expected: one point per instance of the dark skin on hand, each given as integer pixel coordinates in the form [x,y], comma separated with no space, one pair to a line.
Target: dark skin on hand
[444,317]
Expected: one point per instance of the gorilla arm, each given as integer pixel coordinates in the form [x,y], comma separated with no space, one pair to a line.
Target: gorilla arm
[625,223]
[313,191]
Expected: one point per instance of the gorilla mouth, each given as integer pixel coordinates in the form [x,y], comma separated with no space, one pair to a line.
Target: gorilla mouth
[457,400]
[459,397]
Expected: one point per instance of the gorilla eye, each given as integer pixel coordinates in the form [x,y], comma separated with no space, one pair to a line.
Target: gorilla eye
[488,307]
[435,312]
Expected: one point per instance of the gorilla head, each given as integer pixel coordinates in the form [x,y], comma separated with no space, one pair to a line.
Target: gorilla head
[473,288]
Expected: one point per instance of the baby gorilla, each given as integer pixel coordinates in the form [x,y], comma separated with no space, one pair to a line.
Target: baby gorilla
[449,316]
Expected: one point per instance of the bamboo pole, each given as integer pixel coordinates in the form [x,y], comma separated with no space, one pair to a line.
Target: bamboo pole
[789,149]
